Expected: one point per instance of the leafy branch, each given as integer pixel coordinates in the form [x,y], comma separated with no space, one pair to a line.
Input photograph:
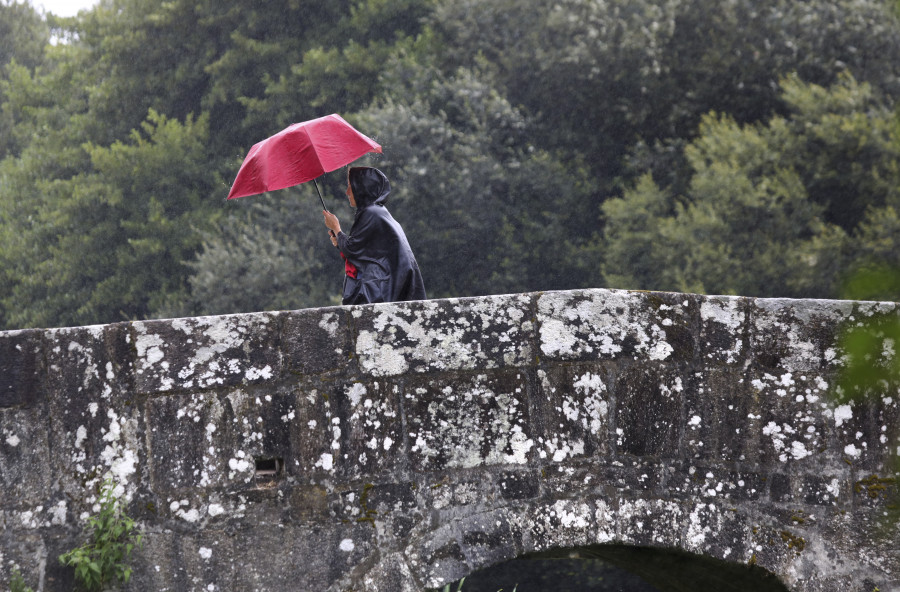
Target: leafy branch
[113,536]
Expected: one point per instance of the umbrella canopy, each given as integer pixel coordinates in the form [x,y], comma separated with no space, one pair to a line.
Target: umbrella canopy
[300,153]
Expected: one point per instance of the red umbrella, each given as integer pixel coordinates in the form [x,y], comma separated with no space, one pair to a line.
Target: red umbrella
[299,153]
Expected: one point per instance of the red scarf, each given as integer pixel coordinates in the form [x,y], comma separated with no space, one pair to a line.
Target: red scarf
[349,268]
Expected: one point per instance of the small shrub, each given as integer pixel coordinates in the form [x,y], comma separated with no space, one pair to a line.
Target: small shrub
[17,582]
[113,536]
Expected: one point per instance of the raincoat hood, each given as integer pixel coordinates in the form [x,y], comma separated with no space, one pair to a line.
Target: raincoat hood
[369,185]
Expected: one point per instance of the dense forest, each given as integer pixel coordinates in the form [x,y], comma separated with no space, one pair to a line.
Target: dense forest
[744,147]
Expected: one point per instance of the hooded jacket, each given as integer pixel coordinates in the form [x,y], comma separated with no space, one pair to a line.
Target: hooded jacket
[381,266]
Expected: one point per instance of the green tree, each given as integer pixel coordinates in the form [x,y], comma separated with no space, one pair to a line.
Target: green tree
[269,253]
[599,77]
[486,211]
[23,34]
[782,208]
[109,244]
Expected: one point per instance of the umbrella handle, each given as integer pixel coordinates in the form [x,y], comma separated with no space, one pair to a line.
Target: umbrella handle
[331,232]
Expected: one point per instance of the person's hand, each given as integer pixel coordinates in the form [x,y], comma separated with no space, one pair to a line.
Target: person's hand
[332,222]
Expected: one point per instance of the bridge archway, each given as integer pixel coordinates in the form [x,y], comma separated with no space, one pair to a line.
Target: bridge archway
[613,568]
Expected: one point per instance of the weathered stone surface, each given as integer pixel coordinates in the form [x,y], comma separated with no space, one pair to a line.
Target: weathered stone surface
[401,446]
[598,324]
[20,365]
[444,335]
[317,340]
[464,422]
[24,452]
[204,352]
[649,401]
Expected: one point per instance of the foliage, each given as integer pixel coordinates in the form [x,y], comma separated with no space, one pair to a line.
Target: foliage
[17,582]
[459,585]
[782,208]
[869,345]
[483,207]
[109,243]
[600,76]
[113,536]
[266,254]
[532,145]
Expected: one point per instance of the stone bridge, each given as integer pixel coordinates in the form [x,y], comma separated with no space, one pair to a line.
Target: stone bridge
[398,447]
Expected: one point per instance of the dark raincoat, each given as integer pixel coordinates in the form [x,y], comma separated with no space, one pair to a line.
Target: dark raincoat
[380,265]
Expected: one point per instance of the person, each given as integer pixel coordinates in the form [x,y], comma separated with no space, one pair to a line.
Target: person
[378,261]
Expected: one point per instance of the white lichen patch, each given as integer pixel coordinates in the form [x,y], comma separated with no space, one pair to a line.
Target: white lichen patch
[216,348]
[564,523]
[149,347]
[724,311]
[842,413]
[788,322]
[481,332]
[471,425]
[330,322]
[598,323]
[325,462]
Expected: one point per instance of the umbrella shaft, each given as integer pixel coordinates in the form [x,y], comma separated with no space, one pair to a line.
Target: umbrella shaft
[320,195]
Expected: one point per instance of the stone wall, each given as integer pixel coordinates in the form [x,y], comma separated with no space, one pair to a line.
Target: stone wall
[396,447]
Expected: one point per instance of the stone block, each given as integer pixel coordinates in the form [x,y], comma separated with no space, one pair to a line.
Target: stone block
[519,485]
[796,335]
[612,324]
[457,421]
[21,368]
[317,341]
[722,417]
[826,489]
[573,478]
[557,523]
[459,490]
[793,418]
[191,441]
[206,352]
[444,335]
[716,530]
[724,337]
[650,522]
[366,435]
[312,431]
[25,469]
[489,538]
[648,400]
[96,421]
[392,574]
[575,404]
[635,475]
[713,483]
[437,558]
[867,431]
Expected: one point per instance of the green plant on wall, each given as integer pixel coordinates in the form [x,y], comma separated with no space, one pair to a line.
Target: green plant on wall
[17,582]
[104,559]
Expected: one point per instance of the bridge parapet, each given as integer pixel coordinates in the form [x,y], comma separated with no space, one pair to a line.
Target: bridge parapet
[391,447]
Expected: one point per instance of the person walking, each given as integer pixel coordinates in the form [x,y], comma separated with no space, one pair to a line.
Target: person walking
[378,261]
